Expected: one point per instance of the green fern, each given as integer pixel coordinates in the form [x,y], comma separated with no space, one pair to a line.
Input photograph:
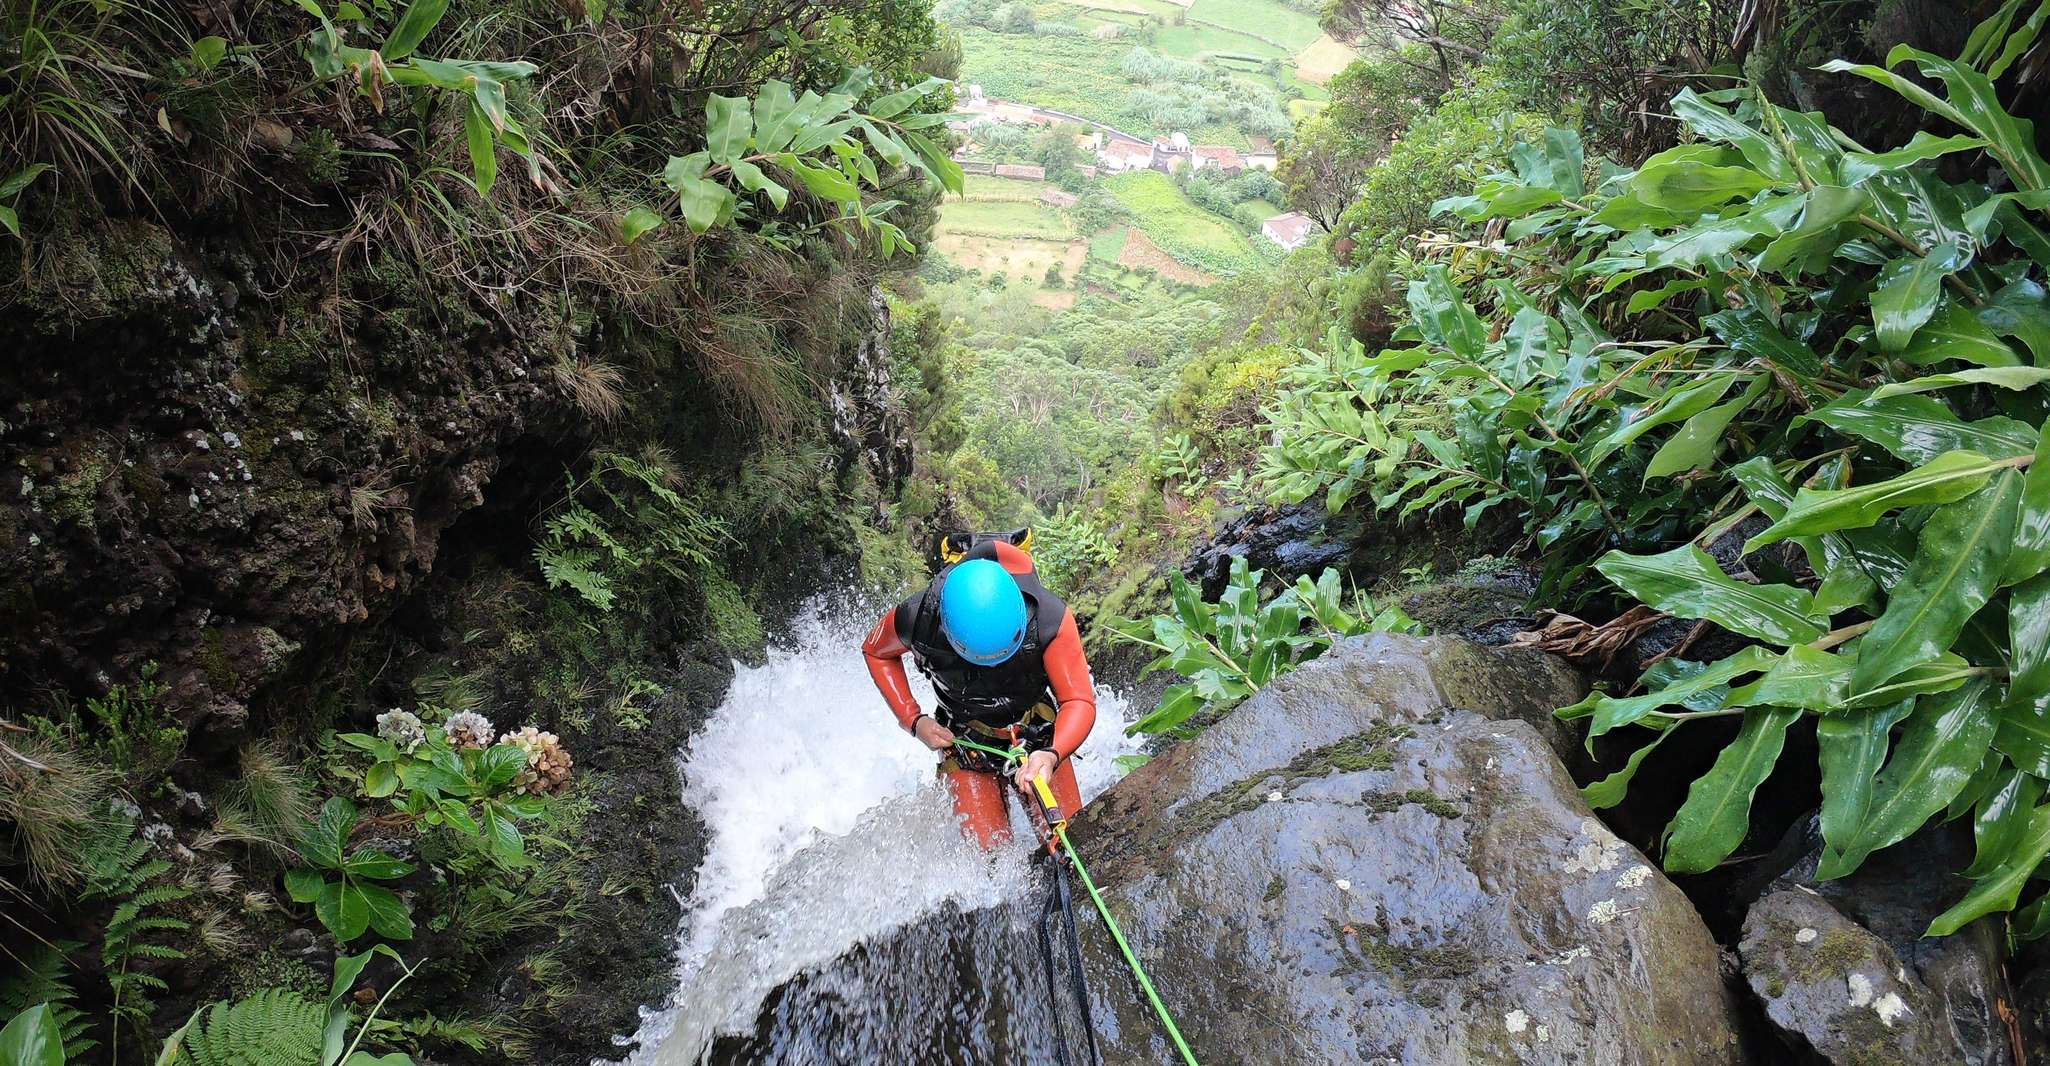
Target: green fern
[274,1027]
[41,980]
[576,568]
[118,866]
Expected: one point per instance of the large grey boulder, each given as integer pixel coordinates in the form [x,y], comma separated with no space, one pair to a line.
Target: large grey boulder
[1379,859]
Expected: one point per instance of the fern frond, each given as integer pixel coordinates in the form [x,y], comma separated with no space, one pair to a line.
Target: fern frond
[273,1026]
[41,980]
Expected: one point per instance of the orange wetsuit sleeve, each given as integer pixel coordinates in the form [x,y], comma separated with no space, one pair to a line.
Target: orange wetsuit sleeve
[1069,672]
[884,651]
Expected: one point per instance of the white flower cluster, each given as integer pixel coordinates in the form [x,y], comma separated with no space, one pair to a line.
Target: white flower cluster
[468,729]
[403,728]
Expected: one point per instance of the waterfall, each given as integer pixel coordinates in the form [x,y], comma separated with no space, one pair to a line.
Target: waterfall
[827,828]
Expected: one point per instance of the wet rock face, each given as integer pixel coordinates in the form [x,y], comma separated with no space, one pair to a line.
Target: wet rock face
[865,419]
[1379,859]
[1842,967]
[1285,541]
[1834,989]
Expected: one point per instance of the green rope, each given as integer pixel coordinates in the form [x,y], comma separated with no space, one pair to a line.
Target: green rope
[1131,959]
[1102,908]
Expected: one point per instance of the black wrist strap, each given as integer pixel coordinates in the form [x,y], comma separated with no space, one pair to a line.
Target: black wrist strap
[915,721]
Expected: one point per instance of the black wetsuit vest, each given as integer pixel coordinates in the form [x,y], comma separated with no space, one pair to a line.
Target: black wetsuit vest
[999,695]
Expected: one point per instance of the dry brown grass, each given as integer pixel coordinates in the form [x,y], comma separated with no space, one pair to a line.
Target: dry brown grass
[50,794]
[598,388]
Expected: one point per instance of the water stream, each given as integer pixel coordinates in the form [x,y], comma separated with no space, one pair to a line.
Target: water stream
[828,830]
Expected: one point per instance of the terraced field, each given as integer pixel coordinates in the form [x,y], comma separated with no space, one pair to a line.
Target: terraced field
[1005,218]
[1193,236]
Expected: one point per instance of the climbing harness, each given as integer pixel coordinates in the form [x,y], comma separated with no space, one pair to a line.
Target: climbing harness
[1051,823]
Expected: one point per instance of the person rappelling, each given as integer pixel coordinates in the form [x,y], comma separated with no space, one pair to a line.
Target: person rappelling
[1005,659]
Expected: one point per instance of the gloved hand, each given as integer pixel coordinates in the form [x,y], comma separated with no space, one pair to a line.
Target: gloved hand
[1038,764]
[932,734]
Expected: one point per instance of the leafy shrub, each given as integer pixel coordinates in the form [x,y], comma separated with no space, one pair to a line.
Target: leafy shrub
[1772,322]
[338,881]
[1233,648]
[1068,545]
[1440,153]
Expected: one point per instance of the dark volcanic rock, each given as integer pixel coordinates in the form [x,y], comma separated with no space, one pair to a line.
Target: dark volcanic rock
[1285,542]
[1828,989]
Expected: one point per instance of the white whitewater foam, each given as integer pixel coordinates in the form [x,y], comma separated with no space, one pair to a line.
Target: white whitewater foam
[827,827]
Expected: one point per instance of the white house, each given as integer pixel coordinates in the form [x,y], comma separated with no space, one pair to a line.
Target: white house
[1291,230]
[1120,155]
[1262,155]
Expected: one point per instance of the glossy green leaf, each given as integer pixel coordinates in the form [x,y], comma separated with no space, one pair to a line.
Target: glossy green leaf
[636,223]
[381,780]
[372,863]
[1443,316]
[1857,166]
[1177,703]
[386,912]
[2021,309]
[1941,745]
[2028,634]
[1681,402]
[413,27]
[343,910]
[483,148]
[1941,674]
[1717,814]
[2003,819]
[729,124]
[1714,123]
[1907,293]
[1999,889]
[1606,712]
[32,1038]
[20,179]
[1687,583]
[498,765]
[774,111]
[753,180]
[1698,440]
[1920,428]
[2006,377]
[1956,332]
[1805,677]
[304,885]
[2031,554]
[1851,747]
[1963,551]
[2024,734]
[1947,478]
[1610,790]
[1815,236]
[1689,186]
[323,841]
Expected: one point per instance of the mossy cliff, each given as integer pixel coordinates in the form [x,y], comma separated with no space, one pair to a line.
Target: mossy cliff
[296,427]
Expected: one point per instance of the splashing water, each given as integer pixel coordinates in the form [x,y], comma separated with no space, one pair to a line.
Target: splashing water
[828,828]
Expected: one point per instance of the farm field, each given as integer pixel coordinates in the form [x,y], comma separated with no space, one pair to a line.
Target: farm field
[1080,75]
[1286,27]
[1322,60]
[1195,41]
[1190,234]
[1017,258]
[1140,251]
[987,187]
[1005,218]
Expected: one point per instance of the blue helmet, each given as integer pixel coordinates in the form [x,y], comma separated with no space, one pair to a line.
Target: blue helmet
[982,612]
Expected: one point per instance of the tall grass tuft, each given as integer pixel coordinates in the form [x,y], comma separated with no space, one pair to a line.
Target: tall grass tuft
[50,794]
